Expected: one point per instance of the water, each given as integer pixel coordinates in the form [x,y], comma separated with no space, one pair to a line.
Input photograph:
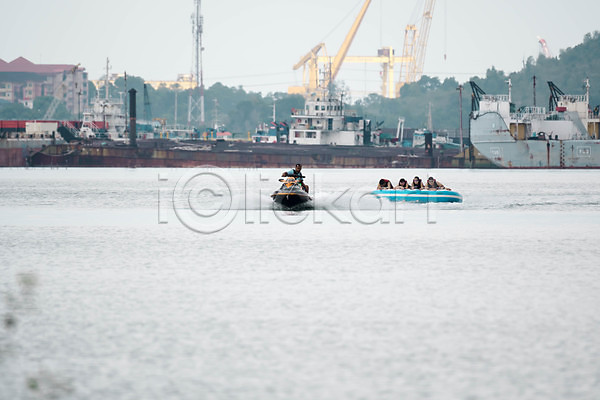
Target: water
[108,292]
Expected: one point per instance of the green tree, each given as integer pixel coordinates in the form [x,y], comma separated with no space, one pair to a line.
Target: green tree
[15,111]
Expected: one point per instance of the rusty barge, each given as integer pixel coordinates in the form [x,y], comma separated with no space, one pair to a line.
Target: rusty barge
[171,154]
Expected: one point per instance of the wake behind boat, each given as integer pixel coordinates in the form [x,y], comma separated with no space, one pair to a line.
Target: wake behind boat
[419,196]
[291,194]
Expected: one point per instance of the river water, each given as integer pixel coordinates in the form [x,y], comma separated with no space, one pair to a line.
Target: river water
[185,284]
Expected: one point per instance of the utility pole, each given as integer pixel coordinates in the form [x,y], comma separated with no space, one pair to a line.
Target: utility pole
[176,108]
[534,102]
[196,99]
[460,88]
[216,126]
[126,99]
[106,80]
[429,120]
[79,105]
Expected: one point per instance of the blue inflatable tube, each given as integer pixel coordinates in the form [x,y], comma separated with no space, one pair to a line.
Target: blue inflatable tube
[420,196]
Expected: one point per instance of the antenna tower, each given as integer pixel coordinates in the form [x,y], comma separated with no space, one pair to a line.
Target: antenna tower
[196,99]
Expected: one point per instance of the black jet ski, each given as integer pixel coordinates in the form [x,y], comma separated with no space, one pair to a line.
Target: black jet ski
[291,194]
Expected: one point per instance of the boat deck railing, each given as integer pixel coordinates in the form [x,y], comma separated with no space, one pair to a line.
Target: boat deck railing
[529,113]
[495,97]
[594,114]
[533,110]
[572,98]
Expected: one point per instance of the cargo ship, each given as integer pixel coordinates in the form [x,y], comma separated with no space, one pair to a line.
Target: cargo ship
[320,136]
[323,121]
[564,136]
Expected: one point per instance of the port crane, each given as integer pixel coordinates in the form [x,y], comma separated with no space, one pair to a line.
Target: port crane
[385,57]
[58,93]
[555,94]
[411,62]
[415,47]
[311,61]
[310,72]
[476,95]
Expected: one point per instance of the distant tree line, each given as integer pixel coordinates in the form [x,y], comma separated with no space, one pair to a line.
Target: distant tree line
[568,72]
[239,111]
[18,111]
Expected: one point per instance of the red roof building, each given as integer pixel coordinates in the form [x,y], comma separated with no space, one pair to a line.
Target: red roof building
[23,81]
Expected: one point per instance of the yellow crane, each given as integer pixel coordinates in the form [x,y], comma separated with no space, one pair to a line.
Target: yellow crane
[341,55]
[311,60]
[310,78]
[385,57]
[411,62]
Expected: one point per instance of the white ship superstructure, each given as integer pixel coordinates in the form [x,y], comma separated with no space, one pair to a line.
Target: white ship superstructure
[322,121]
[532,137]
[105,117]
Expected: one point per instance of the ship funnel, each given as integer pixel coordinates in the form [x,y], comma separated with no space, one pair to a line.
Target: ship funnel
[132,118]
[366,132]
[429,144]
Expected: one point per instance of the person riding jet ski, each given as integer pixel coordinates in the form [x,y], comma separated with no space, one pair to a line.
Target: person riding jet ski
[297,173]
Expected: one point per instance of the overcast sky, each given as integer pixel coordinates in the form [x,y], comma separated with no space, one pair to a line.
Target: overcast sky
[255,43]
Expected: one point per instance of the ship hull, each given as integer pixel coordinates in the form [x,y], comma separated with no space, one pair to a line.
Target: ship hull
[241,155]
[492,138]
[17,152]
[13,157]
